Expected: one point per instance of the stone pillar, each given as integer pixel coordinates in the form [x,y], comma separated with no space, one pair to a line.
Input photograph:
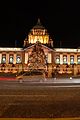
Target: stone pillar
[14,62]
[68,59]
[26,58]
[7,58]
[0,57]
[49,65]
[7,62]
[75,58]
[61,59]
[49,58]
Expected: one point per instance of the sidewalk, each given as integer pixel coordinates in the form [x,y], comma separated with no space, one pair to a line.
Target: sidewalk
[63,80]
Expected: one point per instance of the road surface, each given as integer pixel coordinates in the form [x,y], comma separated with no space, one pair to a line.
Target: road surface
[39,99]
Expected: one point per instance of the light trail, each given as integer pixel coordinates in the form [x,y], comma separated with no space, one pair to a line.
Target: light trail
[39,86]
[67,86]
[37,95]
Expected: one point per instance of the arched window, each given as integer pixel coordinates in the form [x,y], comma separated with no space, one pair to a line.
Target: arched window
[72,59]
[65,59]
[78,59]
[4,58]
[11,59]
[57,59]
[18,59]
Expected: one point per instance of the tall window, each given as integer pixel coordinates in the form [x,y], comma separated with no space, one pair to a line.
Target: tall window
[71,59]
[57,59]
[4,58]
[11,59]
[78,59]
[64,59]
[18,59]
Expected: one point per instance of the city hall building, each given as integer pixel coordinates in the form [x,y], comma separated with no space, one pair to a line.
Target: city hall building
[39,53]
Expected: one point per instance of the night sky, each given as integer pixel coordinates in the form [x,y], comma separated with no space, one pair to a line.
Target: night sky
[61,19]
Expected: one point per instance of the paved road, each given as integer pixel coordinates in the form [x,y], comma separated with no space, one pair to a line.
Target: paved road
[37,99]
[23,84]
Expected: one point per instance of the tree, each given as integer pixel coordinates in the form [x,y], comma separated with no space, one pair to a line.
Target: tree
[37,57]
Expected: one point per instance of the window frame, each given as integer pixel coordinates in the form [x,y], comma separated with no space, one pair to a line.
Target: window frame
[2,59]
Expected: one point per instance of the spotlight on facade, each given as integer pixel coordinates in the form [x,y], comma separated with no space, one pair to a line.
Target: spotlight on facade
[55,78]
[70,78]
[21,81]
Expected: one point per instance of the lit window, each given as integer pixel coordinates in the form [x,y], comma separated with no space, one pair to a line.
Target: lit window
[64,59]
[18,59]
[78,59]
[4,58]
[57,59]
[71,59]
[11,59]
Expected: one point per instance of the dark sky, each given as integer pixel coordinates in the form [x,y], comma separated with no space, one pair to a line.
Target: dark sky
[62,20]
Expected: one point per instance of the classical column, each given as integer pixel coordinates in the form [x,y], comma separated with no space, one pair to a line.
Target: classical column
[7,62]
[0,57]
[75,58]
[14,62]
[61,59]
[75,66]
[7,58]
[49,58]
[26,58]
[68,59]
[49,65]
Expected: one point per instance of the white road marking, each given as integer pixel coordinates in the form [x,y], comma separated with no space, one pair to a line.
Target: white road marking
[72,86]
[54,86]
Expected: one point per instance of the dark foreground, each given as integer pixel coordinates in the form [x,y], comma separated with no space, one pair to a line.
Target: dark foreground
[39,102]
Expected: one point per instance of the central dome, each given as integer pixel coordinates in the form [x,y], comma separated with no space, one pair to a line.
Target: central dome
[38,34]
[38,25]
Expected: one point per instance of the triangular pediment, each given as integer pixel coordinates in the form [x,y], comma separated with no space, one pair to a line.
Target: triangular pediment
[45,48]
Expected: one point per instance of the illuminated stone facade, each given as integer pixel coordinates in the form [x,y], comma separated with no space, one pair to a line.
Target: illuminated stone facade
[38,33]
[39,53]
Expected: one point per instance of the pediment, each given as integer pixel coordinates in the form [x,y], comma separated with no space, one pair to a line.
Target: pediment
[45,48]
